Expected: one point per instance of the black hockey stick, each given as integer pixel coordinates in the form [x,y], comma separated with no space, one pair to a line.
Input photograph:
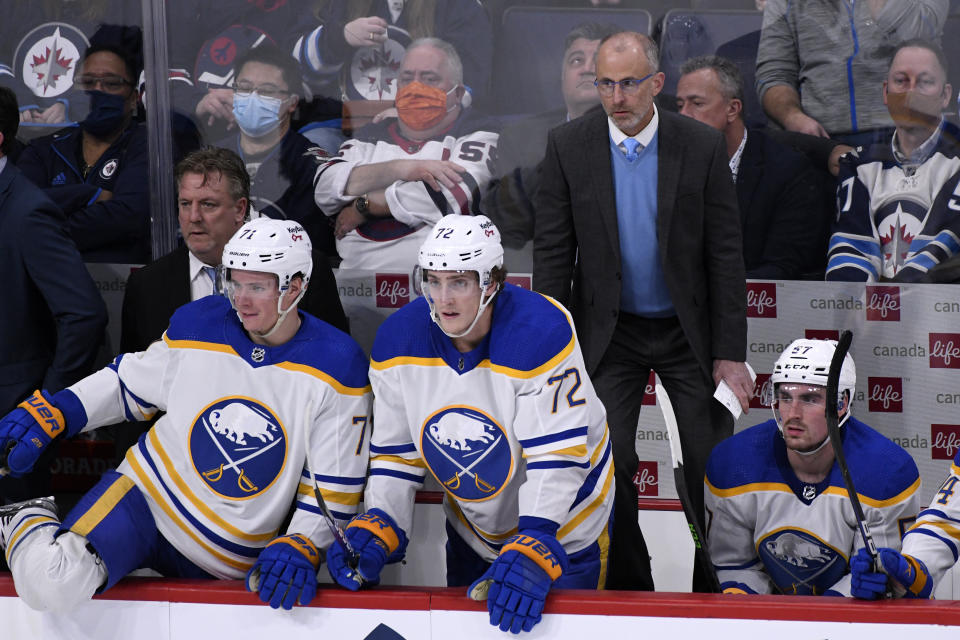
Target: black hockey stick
[833,431]
[701,552]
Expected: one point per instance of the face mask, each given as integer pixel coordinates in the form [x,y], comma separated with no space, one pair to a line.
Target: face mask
[256,116]
[107,113]
[421,107]
[911,109]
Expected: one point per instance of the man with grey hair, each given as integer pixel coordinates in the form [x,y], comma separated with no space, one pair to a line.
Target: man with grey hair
[782,221]
[390,183]
[636,209]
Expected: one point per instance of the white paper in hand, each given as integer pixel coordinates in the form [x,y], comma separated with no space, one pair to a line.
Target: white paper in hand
[725,395]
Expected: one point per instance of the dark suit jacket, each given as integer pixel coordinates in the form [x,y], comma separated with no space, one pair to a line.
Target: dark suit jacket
[698,234]
[781,212]
[54,318]
[154,292]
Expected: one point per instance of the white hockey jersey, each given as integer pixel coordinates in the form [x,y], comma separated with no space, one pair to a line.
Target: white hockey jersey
[393,243]
[223,467]
[896,221]
[769,532]
[935,538]
[510,430]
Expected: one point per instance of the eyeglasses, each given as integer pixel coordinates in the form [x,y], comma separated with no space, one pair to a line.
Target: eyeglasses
[109,84]
[244,89]
[629,86]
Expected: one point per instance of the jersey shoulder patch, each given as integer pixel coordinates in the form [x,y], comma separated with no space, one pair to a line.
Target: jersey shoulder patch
[529,330]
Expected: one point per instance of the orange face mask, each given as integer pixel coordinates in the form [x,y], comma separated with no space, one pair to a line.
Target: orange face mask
[420,106]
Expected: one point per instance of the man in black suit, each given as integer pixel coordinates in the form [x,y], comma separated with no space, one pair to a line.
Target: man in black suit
[782,219]
[54,318]
[656,268]
[213,191]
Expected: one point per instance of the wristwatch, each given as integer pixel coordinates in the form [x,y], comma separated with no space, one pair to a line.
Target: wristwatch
[363,207]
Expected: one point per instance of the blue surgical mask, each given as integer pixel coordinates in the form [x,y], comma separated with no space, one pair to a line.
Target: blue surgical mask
[256,116]
[107,113]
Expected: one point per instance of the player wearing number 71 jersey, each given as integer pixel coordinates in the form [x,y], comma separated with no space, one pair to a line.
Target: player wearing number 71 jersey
[203,494]
[482,385]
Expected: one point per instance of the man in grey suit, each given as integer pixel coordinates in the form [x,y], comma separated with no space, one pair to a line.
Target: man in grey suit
[637,210]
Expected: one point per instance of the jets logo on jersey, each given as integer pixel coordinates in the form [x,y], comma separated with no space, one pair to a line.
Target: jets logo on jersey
[799,562]
[238,446]
[898,223]
[467,451]
[47,58]
[373,72]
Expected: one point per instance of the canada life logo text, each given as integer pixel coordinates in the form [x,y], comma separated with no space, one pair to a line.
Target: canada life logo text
[761,300]
[646,479]
[945,350]
[883,303]
[762,392]
[392,290]
[886,394]
[944,441]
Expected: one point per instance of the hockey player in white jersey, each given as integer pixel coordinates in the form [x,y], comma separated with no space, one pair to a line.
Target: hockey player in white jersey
[778,516]
[203,493]
[482,384]
[929,549]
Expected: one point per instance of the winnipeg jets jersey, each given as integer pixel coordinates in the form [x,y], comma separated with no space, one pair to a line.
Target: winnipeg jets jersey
[393,243]
[935,538]
[222,468]
[896,220]
[769,532]
[510,429]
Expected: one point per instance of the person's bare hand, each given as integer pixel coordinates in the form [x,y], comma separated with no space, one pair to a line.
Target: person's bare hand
[104,196]
[347,220]
[833,163]
[216,104]
[435,173]
[29,115]
[366,32]
[738,379]
[802,123]
[383,115]
[54,114]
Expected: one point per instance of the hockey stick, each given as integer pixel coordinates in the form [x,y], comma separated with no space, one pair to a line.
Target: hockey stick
[676,453]
[833,431]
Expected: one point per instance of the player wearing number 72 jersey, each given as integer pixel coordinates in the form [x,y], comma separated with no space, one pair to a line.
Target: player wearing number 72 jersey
[482,385]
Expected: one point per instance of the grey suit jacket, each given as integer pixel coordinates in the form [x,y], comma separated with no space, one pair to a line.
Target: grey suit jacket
[698,233]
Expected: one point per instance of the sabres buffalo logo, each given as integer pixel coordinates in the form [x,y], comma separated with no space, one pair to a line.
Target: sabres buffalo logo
[467,451]
[800,563]
[238,446]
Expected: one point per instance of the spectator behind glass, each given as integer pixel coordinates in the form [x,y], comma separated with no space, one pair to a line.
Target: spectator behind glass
[359,44]
[97,173]
[781,218]
[50,332]
[819,66]
[393,181]
[897,212]
[281,162]
[509,203]
[41,46]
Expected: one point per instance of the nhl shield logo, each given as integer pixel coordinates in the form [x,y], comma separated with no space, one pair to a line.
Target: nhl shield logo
[238,446]
[47,58]
[467,451]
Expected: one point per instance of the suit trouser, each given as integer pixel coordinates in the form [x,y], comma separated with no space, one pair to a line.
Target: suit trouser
[637,346]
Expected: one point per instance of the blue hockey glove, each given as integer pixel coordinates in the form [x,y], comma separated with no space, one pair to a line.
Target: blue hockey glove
[376,539]
[519,580]
[908,572]
[285,573]
[27,430]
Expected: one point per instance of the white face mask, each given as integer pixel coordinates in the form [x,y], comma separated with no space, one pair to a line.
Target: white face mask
[256,116]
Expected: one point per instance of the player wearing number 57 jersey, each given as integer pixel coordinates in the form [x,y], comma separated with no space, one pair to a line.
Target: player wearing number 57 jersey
[481,384]
[395,179]
[245,391]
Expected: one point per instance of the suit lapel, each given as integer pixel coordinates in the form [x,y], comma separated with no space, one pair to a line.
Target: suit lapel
[670,151]
[6,179]
[596,146]
[748,176]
